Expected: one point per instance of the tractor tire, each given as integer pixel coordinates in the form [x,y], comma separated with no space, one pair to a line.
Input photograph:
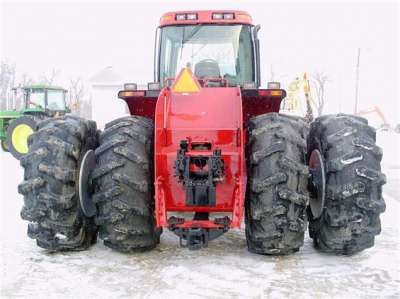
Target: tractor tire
[123,185]
[50,186]
[277,195]
[17,135]
[4,146]
[353,193]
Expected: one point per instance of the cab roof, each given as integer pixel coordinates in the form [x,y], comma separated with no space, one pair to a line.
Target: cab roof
[42,86]
[205,17]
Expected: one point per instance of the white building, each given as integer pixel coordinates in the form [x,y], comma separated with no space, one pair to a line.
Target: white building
[105,103]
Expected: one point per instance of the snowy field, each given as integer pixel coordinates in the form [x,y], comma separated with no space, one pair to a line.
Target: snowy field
[225,269]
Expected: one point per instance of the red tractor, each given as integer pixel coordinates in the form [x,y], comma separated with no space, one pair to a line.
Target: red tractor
[204,145]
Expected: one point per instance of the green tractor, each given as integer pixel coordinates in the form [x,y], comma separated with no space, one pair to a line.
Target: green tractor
[28,106]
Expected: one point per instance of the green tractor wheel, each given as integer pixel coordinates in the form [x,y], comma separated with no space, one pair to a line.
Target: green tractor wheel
[17,135]
[4,145]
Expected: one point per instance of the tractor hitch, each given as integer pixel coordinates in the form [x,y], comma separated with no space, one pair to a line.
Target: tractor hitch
[199,174]
[195,238]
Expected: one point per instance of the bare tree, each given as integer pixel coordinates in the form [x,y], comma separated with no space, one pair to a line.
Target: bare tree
[318,81]
[50,78]
[80,101]
[25,80]
[86,108]
[76,95]
[7,79]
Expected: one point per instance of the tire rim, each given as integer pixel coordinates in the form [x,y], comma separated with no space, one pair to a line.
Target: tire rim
[317,183]
[19,138]
[85,184]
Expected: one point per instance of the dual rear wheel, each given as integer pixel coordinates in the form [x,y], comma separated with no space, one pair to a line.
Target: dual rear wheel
[277,200]
[280,187]
[122,188]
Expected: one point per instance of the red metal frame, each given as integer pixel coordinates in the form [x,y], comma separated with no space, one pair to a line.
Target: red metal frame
[260,102]
[199,117]
[216,115]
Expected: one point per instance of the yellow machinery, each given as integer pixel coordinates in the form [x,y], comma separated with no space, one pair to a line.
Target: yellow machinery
[293,103]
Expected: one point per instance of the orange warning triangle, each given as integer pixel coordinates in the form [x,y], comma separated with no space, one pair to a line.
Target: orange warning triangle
[186,83]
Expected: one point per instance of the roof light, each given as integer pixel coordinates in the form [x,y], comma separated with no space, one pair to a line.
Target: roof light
[229,16]
[180,17]
[167,18]
[273,85]
[217,16]
[130,86]
[191,16]
[243,17]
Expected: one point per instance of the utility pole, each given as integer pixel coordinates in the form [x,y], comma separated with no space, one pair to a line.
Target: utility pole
[357,81]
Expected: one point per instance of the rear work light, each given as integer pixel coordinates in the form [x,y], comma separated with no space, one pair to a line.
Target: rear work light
[274,85]
[153,86]
[223,16]
[249,85]
[130,86]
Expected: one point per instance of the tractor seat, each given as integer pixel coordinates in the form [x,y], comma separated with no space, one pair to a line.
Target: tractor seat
[207,68]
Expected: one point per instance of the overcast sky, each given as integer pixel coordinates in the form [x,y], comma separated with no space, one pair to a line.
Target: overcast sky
[81,37]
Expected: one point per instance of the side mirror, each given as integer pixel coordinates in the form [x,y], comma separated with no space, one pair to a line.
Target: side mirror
[256,29]
[257,50]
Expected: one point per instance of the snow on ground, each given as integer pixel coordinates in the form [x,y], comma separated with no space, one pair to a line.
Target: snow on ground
[225,269]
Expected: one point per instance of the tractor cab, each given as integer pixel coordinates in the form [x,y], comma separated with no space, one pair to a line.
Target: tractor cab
[217,47]
[40,99]
[28,105]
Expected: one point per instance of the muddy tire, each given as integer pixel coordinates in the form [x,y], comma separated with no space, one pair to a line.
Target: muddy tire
[4,146]
[277,193]
[353,198]
[123,182]
[51,200]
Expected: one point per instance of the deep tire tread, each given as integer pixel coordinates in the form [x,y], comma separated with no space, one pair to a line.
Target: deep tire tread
[277,184]
[350,219]
[123,188]
[50,192]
